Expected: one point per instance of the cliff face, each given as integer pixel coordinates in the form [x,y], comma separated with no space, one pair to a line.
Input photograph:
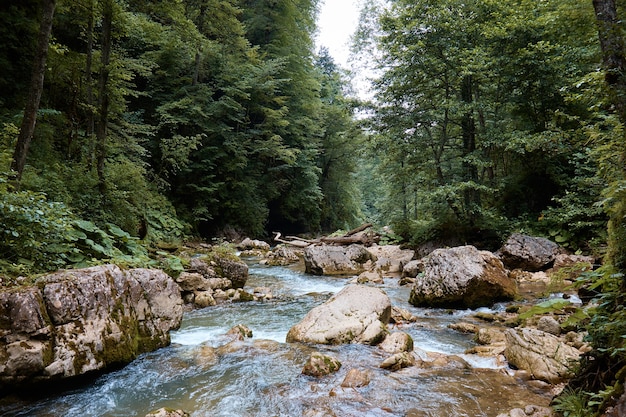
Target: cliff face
[76,321]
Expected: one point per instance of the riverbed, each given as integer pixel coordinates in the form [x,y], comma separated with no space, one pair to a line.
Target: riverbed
[206,373]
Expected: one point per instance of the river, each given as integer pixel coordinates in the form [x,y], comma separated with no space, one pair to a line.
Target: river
[205,374]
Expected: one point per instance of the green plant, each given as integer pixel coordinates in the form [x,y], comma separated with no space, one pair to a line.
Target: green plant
[572,403]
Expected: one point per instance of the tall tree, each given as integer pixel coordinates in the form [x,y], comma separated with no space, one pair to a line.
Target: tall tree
[27,128]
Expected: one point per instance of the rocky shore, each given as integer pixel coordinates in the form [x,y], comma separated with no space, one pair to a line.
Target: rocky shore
[75,322]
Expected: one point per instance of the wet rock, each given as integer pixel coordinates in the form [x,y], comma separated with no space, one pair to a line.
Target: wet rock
[240,332]
[335,260]
[463,327]
[356,378]
[462,277]
[168,412]
[529,411]
[356,314]
[527,252]
[398,361]
[397,342]
[84,320]
[401,315]
[544,355]
[320,364]
[240,296]
[263,293]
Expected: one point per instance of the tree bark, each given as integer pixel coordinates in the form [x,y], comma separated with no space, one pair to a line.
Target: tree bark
[612,45]
[27,128]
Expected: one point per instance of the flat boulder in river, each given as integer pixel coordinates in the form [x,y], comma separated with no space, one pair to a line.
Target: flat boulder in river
[462,277]
[336,260]
[356,314]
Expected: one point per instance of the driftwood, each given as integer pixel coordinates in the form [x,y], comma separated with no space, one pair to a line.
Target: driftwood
[297,243]
[353,236]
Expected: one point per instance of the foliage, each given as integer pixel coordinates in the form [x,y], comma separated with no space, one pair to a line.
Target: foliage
[473,127]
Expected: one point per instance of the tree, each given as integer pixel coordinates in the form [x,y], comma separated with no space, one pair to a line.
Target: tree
[29,120]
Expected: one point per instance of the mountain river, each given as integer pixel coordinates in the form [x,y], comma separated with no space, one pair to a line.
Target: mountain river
[205,374]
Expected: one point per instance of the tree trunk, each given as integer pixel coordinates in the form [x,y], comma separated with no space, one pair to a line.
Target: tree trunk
[468,127]
[103,119]
[614,60]
[27,128]
[612,45]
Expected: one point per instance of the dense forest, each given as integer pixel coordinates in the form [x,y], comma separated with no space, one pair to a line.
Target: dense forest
[127,126]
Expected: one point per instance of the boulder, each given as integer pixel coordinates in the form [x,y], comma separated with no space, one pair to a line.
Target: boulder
[543,355]
[390,258]
[251,244]
[549,325]
[356,314]
[412,268]
[84,320]
[335,260]
[233,269]
[320,364]
[284,255]
[397,342]
[398,361]
[373,277]
[527,252]
[462,277]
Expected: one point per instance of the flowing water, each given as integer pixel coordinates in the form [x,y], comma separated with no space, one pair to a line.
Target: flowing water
[206,374]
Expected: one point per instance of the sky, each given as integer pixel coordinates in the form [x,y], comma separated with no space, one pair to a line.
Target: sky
[336,23]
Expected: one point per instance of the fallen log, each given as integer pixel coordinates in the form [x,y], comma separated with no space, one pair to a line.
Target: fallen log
[362,227]
[297,243]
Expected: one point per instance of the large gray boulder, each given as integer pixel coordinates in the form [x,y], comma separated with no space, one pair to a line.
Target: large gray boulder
[356,314]
[543,355]
[336,260]
[390,258]
[78,321]
[462,277]
[527,252]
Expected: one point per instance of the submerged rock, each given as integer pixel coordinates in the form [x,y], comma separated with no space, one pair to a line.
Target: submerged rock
[168,412]
[397,342]
[356,378]
[320,364]
[356,314]
[462,277]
